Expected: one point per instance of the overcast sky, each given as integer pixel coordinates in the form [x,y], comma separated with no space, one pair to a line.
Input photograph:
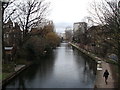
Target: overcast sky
[65,12]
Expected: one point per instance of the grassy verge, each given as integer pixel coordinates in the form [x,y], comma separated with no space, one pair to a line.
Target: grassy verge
[0,77]
[5,75]
[9,68]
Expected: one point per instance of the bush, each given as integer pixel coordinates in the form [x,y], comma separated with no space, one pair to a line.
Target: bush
[52,39]
[21,53]
[21,61]
[8,68]
[34,47]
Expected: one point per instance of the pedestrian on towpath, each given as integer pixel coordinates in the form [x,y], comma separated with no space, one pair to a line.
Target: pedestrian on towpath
[106,74]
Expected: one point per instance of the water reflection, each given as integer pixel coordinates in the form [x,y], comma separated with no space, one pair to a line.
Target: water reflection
[65,67]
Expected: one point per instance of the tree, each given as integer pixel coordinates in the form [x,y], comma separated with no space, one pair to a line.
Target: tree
[5,17]
[30,13]
[107,13]
[7,10]
[34,50]
[48,28]
[52,39]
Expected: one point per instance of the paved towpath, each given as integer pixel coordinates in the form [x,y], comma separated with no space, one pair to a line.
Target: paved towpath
[100,82]
[18,67]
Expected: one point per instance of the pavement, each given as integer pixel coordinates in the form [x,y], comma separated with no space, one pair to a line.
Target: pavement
[100,81]
[18,67]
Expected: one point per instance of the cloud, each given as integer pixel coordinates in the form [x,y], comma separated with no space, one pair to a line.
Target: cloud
[65,12]
[60,26]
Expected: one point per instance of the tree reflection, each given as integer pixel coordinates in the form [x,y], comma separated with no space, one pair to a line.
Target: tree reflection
[89,66]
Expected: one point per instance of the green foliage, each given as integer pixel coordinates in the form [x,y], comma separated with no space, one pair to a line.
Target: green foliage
[5,75]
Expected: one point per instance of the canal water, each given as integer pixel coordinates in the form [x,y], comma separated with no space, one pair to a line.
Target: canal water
[65,67]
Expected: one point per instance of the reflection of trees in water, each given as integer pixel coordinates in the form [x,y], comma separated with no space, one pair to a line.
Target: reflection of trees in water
[46,65]
[92,65]
[89,66]
[21,84]
[73,48]
[40,67]
[85,72]
[88,71]
[69,46]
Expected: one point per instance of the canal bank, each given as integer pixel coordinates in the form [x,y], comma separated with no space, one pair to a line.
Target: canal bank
[101,67]
[65,67]
[18,70]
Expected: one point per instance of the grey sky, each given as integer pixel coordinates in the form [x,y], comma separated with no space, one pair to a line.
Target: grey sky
[65,12]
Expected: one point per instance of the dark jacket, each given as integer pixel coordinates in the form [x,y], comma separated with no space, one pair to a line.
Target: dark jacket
[106,73]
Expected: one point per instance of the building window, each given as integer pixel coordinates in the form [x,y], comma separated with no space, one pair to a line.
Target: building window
[4,36]
[7,35]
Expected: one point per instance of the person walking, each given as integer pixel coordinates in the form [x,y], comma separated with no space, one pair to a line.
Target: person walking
[106,74]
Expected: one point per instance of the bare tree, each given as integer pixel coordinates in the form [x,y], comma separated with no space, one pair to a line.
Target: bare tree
[107,13]
[5,17]
[6,9]
[29,13]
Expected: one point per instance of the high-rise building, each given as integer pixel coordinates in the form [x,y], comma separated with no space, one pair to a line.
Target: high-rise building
[79,29]
[81,26]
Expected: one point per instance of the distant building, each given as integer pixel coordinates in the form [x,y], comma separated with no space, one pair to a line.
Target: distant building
[94,33]
[62,35]
[8,53]
[42,29]
[35,31]
[79,29]
[99,38]
[12,39]
[81,26]
[12,34]
[68,34]
[43,23]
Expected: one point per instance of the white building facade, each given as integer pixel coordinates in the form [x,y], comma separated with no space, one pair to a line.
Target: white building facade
[81,26]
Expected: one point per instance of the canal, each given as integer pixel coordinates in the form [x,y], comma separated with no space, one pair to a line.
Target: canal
[65,67]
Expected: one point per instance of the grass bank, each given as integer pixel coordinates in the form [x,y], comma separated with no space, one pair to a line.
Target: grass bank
[9,68]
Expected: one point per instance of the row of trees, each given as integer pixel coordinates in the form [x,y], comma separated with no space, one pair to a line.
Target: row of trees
[107,14]
[39,44]
[28,13]
[31,14]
